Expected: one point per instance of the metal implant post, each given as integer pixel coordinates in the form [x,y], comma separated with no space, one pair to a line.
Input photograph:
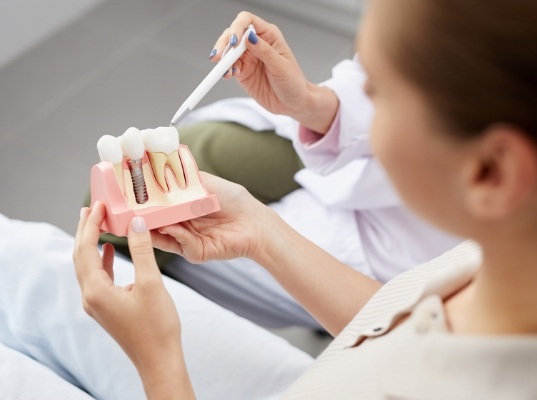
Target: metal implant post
[138,181]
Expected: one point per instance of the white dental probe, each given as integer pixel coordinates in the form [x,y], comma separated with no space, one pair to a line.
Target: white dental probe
[229,57]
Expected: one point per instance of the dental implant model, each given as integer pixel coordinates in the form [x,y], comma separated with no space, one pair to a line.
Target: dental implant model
[148,173]
[132,144]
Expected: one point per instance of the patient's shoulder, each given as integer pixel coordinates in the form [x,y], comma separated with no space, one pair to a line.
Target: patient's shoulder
[399,295]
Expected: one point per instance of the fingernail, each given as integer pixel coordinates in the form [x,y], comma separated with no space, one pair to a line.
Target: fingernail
[82,212]
[252,37]
[233,40]
[213,53]
[233,70]
[94,206]
[138,225]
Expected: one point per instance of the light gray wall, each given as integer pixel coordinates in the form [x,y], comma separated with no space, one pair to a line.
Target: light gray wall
[25,23]
[340,16]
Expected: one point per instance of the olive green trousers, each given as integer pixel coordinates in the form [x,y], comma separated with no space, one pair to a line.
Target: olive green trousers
[263,162]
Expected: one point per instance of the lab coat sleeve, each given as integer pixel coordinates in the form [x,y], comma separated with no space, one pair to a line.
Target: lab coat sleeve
[348,137]
[340,168]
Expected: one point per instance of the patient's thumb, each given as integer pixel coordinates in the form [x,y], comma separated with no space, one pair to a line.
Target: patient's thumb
[141,249]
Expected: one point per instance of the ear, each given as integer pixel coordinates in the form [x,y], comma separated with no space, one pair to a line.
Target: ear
[501,174]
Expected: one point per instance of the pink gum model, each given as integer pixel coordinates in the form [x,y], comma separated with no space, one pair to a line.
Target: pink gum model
[163,207]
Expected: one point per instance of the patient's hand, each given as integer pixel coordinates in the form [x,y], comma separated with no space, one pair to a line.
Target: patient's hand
[141,317]
[235,231]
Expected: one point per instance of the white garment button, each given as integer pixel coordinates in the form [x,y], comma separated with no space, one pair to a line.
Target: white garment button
[429,316]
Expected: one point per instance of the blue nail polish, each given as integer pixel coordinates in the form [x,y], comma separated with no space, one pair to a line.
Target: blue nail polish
[213,53]
[252,37]
[233,40]
[233,70]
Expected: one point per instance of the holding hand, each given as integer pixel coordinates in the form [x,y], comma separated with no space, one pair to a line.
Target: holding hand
[141,317]
[270,74]
[235,231]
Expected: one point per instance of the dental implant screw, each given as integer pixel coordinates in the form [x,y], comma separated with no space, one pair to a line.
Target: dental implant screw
[138,181]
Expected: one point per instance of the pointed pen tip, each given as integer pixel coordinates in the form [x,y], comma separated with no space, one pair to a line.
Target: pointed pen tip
[180,114]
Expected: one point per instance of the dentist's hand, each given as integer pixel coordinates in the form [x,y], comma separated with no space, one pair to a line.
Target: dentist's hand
[269,73]
[141,317]
[238,230]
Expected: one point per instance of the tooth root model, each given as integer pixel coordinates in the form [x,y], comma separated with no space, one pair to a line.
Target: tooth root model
[162,145]
[132,145]
[109,150]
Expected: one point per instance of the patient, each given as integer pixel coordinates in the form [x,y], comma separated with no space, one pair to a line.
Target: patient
[454,89]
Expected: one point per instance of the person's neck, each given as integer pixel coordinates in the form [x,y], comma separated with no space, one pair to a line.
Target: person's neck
[502,298]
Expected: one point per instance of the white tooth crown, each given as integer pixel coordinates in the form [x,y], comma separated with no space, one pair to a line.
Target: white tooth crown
[162,140]
[132,144]
[109,149]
